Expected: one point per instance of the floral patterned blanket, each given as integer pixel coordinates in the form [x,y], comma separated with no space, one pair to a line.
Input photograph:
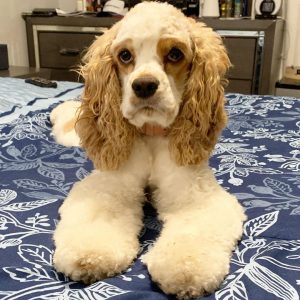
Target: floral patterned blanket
[257,159]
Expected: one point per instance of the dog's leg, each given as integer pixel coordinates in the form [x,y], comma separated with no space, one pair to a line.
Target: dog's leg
[202,223]
[63,118]
[101,218]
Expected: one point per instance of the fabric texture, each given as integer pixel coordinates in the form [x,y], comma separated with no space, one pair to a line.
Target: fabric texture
[257,159]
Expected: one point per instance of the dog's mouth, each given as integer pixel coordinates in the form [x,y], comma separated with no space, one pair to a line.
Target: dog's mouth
[154,109]
[148,110]
[150,105]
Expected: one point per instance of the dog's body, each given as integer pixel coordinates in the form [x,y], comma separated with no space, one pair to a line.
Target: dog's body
[151,117]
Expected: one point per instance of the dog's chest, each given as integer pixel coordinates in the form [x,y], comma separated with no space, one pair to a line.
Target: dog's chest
[159,160]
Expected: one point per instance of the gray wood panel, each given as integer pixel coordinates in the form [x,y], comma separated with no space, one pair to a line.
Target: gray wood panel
[62,50]
[239,86]
[25,72]
[241,51]
[65,75]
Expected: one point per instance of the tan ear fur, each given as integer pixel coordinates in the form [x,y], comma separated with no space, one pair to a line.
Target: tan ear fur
[104,133]
[202,115]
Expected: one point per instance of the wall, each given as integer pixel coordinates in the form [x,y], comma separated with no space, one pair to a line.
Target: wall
[12,27]
[67,5]
[291,53]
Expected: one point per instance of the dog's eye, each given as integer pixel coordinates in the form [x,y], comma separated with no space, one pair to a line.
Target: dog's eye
[175,55]
[125,56]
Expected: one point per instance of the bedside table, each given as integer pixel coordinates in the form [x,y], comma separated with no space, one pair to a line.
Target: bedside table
[25,72]
[58,43]
[288,87]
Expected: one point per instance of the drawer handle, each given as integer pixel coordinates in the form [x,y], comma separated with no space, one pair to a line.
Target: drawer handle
[69,52]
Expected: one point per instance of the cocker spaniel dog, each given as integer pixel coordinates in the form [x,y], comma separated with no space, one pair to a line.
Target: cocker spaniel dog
[151,112]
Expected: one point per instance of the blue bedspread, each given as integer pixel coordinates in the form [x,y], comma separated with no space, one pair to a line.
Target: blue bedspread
[257,159]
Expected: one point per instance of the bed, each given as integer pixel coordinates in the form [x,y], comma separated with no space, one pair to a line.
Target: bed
[257,159]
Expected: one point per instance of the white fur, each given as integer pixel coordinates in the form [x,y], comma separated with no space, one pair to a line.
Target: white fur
[102,216]
[59,117]
[148,61]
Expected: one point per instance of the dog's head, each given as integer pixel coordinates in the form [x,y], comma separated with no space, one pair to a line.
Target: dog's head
[155,66]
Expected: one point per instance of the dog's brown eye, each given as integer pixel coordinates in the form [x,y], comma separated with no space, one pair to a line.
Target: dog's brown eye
[125,56]
[175,55]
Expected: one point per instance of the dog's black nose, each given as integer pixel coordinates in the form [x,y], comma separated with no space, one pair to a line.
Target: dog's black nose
[145,87]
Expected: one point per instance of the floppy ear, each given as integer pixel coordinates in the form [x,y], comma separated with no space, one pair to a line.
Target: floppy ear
[202,115]
[104,133]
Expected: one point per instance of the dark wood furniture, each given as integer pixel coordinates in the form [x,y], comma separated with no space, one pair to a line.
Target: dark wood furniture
[254,47]
[25,72]
[59,43]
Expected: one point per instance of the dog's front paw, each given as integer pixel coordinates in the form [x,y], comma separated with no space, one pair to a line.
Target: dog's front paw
[91,258]
[184,270]
[90,266]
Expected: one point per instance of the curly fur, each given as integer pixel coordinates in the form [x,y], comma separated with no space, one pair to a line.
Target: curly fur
[202,116]
[101,218]
[103,131]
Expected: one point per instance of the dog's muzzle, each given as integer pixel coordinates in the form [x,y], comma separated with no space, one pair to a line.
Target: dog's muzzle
[145,87]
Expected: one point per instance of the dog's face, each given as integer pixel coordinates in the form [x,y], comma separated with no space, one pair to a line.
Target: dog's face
[154,66]
[153,54]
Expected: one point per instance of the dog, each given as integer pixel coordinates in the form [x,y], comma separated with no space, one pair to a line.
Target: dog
[151,112]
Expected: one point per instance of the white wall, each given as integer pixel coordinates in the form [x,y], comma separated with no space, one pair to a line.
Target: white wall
[291,55]
[12,27]
[67,5]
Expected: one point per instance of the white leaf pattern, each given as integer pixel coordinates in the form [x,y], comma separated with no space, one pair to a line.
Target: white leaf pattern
[51,172]
[36,255]
[278,186]
[257,226]
[271,282]
[6,196]
[28,274]
[236,291]
[10,243]
[31,184]
[81,173]
[28,151]
[18,207]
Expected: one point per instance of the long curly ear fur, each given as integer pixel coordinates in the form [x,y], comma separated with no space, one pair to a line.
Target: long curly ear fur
[202,115]
[104,133]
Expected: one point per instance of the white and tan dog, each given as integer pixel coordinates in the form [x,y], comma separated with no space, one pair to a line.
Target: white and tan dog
[151,113]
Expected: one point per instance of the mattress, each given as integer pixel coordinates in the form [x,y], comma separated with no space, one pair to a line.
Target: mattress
[257,158]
